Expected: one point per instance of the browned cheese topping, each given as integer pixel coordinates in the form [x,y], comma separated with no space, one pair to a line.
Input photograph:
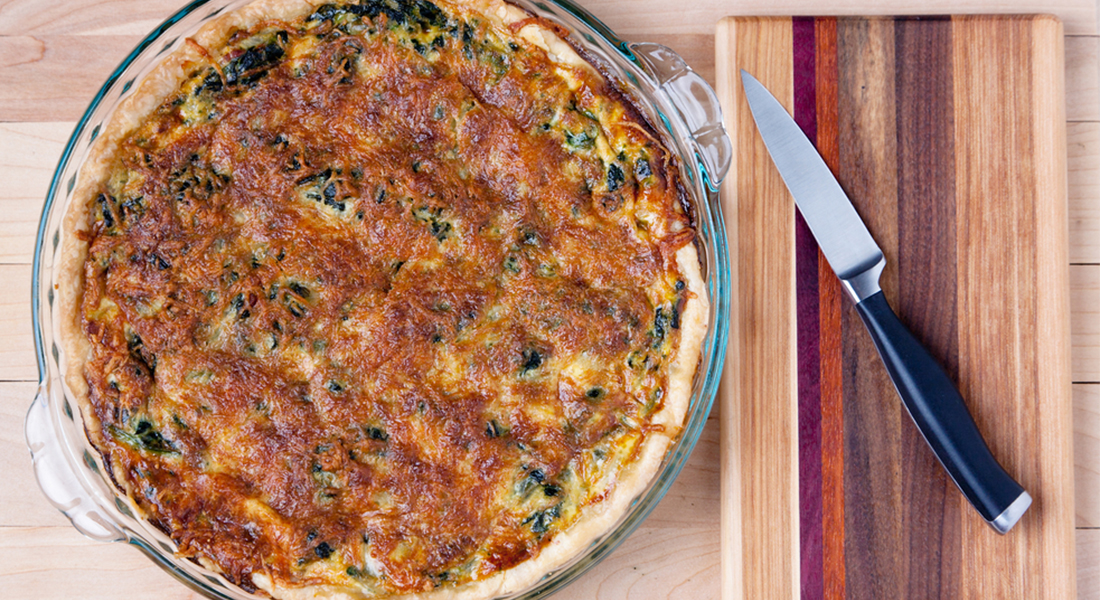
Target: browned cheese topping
[381,298]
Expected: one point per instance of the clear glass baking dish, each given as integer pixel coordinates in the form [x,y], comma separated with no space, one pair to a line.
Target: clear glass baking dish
[679,103]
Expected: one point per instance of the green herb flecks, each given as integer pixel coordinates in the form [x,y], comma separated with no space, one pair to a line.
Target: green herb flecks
[325,188]
[615,177]
[494,429]
[439,227]
[541,520]
[661,322]
[531,360]
[582,140]
[254,63]
[144,437]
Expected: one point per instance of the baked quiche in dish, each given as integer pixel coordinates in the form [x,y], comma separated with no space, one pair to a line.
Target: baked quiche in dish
[381,299]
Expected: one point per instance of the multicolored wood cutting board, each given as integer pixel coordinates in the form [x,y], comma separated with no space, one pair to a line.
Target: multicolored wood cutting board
[949,136]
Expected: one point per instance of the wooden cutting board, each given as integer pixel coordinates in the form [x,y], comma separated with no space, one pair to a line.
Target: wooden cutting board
[949,136]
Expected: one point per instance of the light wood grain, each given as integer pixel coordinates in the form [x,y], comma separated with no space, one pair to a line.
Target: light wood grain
[694,499]
[655,563]
[1086,453]
[1013,261]
[89,17]
[627,17]
[17,362]
[21,503]
[35,556]
[759,404]
[1084,192]
[1083,78]
[1088,564]
[53,78]
[732,563]
[28,156]
[631,17]
[730,520]
[1085,337]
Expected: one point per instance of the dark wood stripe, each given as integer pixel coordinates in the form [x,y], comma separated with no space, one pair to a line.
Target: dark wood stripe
[875,547]
[809,359]
[829,291]
[927,282]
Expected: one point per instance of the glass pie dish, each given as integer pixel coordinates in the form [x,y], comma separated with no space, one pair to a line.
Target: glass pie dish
[679,104]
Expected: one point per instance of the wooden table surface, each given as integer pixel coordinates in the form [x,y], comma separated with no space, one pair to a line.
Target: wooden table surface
[55,55]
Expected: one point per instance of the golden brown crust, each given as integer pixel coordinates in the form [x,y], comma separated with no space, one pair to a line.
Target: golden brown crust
[593,521]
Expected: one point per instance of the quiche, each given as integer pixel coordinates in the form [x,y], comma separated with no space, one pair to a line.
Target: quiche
[393,298]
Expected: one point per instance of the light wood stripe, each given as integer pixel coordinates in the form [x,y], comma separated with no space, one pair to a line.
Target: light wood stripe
[1011,275]
[761,406]
[729,518]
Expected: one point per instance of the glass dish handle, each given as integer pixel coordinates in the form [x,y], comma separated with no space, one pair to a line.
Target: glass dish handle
[697,103]
[56,477]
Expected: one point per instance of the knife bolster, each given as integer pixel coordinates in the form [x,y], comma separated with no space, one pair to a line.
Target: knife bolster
[864,284]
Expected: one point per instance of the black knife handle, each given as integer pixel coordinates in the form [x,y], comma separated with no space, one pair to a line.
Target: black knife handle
[942,417]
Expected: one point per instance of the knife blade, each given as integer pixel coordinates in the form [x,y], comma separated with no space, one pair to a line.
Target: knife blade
[929,395]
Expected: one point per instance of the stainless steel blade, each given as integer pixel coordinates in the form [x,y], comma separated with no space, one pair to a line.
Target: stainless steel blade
[851,251]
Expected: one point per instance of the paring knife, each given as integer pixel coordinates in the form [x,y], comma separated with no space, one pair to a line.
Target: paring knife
[927,392]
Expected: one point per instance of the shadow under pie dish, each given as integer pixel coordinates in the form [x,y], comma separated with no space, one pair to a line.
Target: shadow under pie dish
[381,299]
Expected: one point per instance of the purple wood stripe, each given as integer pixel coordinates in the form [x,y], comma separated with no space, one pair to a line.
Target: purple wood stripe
[927,282]
[809,353]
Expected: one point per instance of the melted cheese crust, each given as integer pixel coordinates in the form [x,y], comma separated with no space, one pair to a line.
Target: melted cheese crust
[382,299]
